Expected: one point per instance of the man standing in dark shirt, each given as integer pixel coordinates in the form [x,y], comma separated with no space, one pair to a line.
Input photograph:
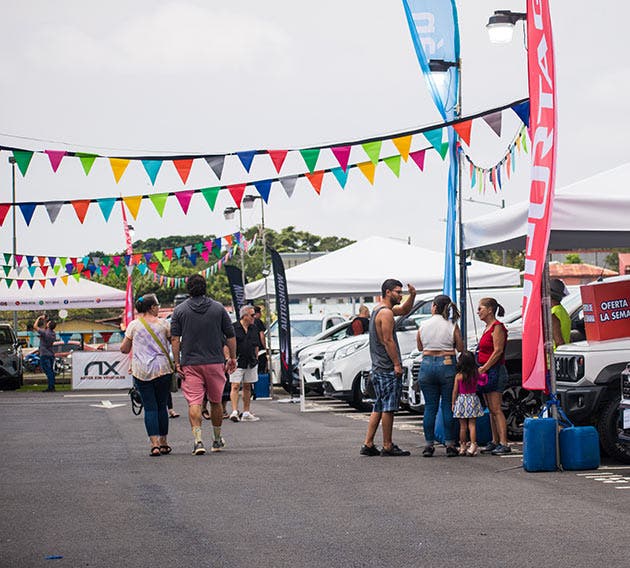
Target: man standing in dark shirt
[262,329]
[247,346]
[47,336]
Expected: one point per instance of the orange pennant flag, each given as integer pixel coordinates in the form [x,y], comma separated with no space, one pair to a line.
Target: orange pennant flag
[183,168]
[133,204]
[228,239]
[316,179]
[81,208]
[64,279]
[463,129]
[403,144]
[119,165]
[369,170]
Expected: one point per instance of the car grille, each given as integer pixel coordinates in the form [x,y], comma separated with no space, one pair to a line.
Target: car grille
[414,369]
[625,384]
[569,368]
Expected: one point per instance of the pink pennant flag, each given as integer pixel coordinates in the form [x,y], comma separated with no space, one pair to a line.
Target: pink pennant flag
[184,198]
[342,153]
[418,158]
[277,157]
[104,270]
[205,255]
[209,245]
[55,157]
[116,260]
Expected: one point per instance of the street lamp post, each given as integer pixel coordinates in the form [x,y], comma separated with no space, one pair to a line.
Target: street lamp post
[500,30]
[440,69]
[228,214]
[12,161]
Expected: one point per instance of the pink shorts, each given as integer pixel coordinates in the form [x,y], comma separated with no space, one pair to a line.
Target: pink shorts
[200,380]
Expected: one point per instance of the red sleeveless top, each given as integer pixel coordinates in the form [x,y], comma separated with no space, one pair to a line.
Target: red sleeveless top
[486,345]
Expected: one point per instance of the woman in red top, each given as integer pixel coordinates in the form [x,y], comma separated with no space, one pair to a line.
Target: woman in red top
[491,358]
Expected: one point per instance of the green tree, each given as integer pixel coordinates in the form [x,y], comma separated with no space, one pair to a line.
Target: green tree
[572,258]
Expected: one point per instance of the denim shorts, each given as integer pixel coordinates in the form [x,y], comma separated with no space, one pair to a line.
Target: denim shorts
[388,388]
[497,380]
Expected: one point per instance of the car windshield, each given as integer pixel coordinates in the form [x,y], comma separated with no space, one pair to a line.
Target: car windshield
[6,337]
[300,328]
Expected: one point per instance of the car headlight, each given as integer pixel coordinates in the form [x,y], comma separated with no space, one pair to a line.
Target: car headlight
[348,350]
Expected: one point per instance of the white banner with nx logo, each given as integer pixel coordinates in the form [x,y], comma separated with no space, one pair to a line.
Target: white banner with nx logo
[101,370]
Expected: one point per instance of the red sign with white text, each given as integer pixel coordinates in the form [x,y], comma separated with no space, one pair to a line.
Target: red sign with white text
[542,132]
[606,310]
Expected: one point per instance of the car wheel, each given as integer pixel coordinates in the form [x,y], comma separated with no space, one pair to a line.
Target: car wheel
[519,403]
[358,401]
[609,427]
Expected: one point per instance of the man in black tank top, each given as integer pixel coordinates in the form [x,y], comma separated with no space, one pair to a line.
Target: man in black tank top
[386,366]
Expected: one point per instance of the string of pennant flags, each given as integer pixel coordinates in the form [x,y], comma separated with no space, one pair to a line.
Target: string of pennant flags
[183,163]
[164,257]
[483,177]
[91,270]
[342,154]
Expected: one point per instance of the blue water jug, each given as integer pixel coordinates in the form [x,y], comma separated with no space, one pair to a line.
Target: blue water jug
[579,448]
[484,431]
[261,386]
[539,444]
[440,427]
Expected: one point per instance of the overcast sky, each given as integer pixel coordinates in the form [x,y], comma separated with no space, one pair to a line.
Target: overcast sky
[156,76]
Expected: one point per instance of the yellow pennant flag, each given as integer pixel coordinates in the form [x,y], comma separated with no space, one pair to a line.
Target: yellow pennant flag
[403,145]
[369,170]
[64,279]
[119,165]
[87,337]
[133,204]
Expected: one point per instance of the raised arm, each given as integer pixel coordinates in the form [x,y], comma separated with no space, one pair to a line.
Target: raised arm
[404,308]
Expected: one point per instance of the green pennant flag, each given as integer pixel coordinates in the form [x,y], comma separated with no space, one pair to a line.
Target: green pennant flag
[76,276]
[393,163]
[310,158]
[443,150]
[159,201]
[22,159]
[56,268]
[210,195]
[87,161]
[9,281]
[7,257]
[106,260]
[7,270]
[216,251]
[117,270]
[524,141]
[199,247]
[373,150]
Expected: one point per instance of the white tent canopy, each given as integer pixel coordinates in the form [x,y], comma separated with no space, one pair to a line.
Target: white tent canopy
[592,213]
[75,294]
[360,268]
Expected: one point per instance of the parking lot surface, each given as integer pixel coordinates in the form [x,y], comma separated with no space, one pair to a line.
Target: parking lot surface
[78,488]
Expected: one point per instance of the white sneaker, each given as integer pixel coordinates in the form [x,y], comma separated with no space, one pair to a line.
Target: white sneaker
[234,416]
[249,417]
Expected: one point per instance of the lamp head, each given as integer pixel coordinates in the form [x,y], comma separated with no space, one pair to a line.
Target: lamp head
[500,26]
[248,201]
[228,213]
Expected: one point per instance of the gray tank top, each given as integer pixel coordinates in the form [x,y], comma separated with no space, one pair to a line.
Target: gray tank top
[380,358]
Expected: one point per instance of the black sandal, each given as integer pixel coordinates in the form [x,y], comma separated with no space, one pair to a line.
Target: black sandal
[155,452]
[205,414]
[428,451]
[164,450]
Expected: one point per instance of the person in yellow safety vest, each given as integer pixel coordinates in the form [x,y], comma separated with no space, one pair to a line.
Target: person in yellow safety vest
[560,320]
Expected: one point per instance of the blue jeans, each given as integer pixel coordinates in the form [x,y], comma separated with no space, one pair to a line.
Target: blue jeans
[46,362]
[154,394]
[436,381]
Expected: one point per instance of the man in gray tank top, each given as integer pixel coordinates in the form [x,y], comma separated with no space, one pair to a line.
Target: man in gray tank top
[386,366]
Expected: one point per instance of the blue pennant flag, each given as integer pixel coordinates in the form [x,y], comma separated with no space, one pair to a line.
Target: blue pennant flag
[152,167]
[246,158]
[342,177]
[522,111]
[27,210]
[263,187]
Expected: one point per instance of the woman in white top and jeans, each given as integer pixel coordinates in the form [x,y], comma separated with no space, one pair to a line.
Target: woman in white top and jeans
[438,339]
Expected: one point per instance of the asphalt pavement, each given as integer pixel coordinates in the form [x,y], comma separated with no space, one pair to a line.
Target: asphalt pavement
[78,488]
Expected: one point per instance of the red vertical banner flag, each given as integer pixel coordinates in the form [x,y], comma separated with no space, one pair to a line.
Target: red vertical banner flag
[128,315]
[543,135]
